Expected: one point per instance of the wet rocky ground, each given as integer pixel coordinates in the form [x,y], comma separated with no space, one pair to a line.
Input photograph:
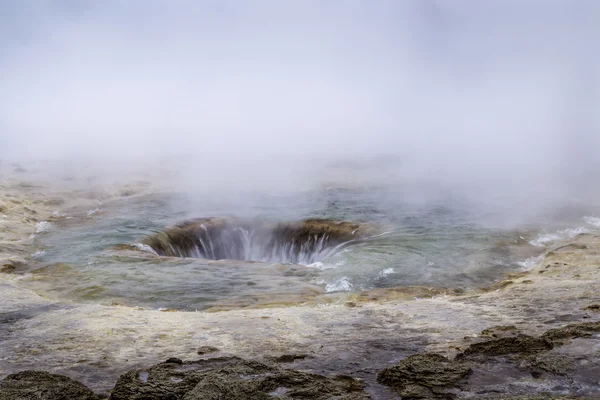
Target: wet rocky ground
[504,364]
[533,335]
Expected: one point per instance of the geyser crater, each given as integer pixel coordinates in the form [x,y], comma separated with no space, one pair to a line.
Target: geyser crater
[299,242]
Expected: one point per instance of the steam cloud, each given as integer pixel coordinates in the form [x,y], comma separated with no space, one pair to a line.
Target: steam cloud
[496,96]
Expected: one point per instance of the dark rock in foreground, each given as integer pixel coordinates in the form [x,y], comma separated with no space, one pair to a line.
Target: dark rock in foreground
[521,344]
[585,329]
[424,376]
[559,364]
[231,378]
[40,385]
[228,378]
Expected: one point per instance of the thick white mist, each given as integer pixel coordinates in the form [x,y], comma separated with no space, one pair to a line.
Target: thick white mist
[497,98]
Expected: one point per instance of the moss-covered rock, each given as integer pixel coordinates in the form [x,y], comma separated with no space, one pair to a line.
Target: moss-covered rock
[555,364]
[231,378]
[40,385]
[520,344]
[424,376]
[584,329]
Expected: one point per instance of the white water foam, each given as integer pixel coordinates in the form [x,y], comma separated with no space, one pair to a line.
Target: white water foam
[38,253]
[42,226]
[594,221]
[341,285]
[145,247]
[323,266]
[386,272]
[547,238]
[93,212]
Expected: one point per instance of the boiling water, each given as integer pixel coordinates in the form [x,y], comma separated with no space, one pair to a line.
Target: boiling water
[416,244]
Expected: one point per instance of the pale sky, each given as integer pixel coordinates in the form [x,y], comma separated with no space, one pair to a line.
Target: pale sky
[456,87]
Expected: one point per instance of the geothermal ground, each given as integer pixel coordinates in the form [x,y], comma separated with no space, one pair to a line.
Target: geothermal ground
[532,334]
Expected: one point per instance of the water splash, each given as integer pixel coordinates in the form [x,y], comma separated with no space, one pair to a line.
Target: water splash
[548,238]
[341,285]
[42,226]
[386,272]
[306,242]
[145,247]
[93,212]
[594,221]
[38,254]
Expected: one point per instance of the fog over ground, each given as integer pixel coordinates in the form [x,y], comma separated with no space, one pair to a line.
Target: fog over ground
[500,96]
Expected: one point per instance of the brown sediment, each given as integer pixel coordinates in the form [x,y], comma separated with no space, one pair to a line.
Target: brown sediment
[400,293]
[593,307]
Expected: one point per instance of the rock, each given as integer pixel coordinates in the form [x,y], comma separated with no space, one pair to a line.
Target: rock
[500,331]
[288,358]
[39,385]
[521,344]
[556,364]
[534,397]
[231,378]
[123,246]
[425,376]
[584,329]
[207,350]
[593,308]
[7,268]
[232,383]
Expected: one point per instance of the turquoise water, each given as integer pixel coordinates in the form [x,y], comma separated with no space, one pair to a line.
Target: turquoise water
[441,244]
